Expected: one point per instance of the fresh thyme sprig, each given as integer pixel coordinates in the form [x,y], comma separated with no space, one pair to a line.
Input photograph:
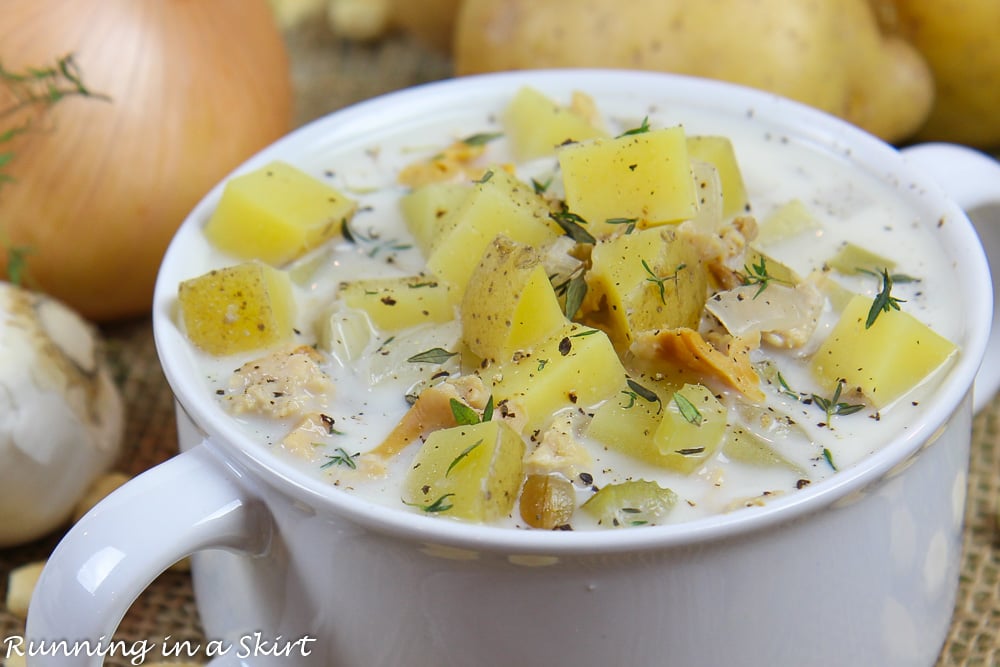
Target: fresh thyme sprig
[435,355]
[642,129]
[573,225]
[884,300]
[377,245]
[636,390]
[661,281]
[757,274]
[439,505]
[465,452]
[834,406]
[341,458]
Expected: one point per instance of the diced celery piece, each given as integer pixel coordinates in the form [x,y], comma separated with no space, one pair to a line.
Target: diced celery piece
[785,222]
[238,308]
[744,446]
[632,503]
[852,258]
[884,361]
[691,429]
[467,472]
[276,213]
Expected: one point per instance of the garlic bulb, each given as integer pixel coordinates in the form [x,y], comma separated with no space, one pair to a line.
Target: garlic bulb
[61,415]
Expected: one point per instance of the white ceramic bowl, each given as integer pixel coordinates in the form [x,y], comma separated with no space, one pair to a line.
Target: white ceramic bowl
[861,568]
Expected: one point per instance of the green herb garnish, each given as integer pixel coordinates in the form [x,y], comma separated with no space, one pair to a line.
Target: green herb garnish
[642,129]
[435,355]
[628,222]
[341,458]
[642,392]
[481,138]
[438,505]
[464,415]
[757,274]
[834,406]
[465,452]
[828,455]
[884,301]
[573,225]
[659,281]
[688,411]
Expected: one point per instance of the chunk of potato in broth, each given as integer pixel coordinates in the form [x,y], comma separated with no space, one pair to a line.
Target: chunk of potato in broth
[470,472]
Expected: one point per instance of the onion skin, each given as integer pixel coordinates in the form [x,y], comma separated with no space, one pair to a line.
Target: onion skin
[100,186]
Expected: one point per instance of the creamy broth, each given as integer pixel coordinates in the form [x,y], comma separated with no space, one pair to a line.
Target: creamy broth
[369,396]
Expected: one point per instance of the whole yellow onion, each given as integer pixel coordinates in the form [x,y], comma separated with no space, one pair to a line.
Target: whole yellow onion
[98,186]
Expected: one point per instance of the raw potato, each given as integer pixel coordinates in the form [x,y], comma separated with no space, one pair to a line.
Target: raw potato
[961,41]
[20,585]
[827,53]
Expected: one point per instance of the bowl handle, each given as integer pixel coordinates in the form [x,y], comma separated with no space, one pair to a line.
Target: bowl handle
[191,502]
[972,180]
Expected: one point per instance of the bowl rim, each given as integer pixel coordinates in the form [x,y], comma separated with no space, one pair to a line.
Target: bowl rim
[803,122]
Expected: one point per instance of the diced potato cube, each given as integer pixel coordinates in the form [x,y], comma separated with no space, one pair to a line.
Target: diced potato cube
[536,125]
[643,176]
[649,279]
[469,472]
[691,430]
[500,204]
[238,308]
[577,366]
[276,213]
[719,151]
[509,304]
[884,361]
[633,503]
[626,422]
[785,222]
[745,446]
[400,303]
[426,208]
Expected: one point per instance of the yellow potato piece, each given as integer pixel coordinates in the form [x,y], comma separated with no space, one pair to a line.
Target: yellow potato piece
[499,204]
[536,125]
[400,303]
[276,213]
[624,285]
[884,361]
[576,367]
[646,177]
[509,304]
[719,152]
[20,585]
[470,472]
[425,208]
[238,308]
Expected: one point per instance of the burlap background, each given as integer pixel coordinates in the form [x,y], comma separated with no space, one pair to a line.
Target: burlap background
[328,75]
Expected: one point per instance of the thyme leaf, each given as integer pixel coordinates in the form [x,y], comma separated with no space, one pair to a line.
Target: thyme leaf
[642,392]
[628,222]
[341,458]
[642,129]
[834,406]
[463,414]
[438,505]
[435,355]
[576,290]
[465,452]
[884,301]
[757,274]
[572,224]
[688,411]
[481,138]
[659,281]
